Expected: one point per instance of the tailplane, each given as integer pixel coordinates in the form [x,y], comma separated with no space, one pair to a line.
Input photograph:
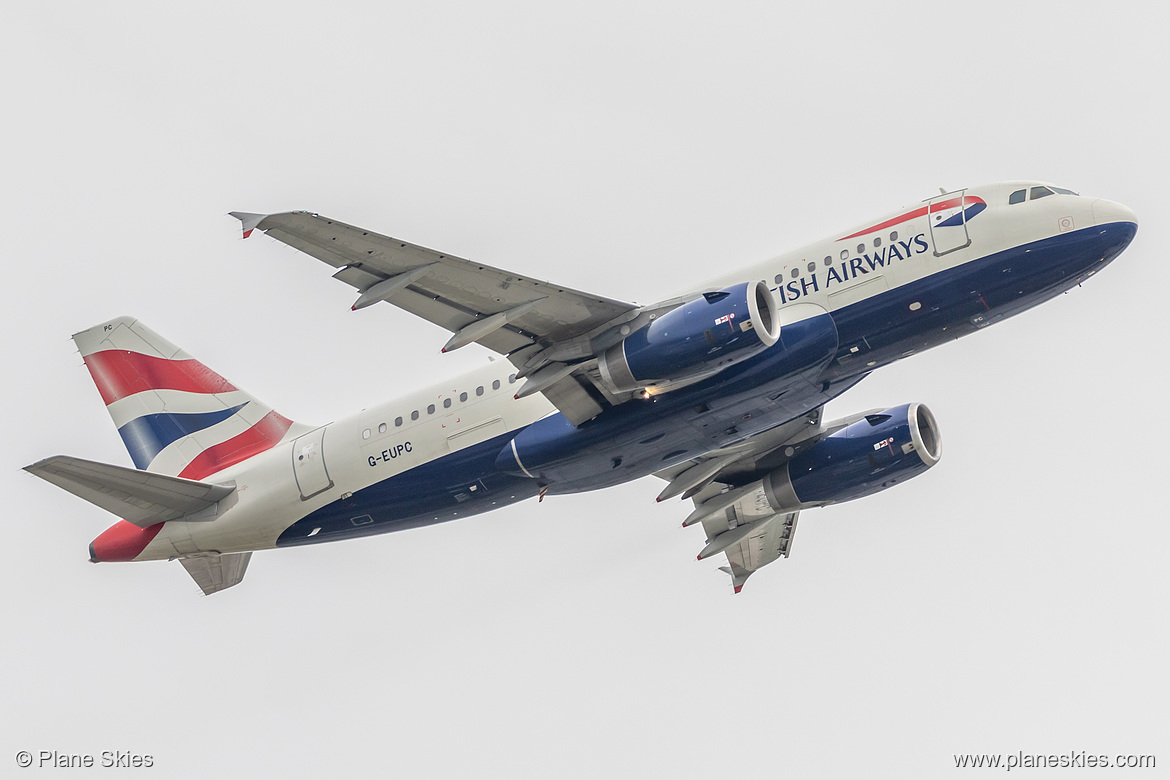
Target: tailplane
[174,414]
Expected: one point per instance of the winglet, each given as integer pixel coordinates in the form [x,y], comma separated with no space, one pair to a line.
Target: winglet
[738,574]
[249,221]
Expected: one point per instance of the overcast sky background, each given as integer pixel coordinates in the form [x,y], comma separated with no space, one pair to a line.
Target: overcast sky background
[1013,598]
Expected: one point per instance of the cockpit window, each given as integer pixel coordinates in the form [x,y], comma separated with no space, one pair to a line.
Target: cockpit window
[1018,197]
[1063,191]
[1041,192]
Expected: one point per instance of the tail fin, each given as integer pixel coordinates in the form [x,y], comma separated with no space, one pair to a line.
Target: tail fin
[175,415]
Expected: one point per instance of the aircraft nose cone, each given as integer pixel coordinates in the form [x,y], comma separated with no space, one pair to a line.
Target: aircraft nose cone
[1107,212]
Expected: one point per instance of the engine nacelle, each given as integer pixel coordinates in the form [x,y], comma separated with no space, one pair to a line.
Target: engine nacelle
[864,458]
[696,339]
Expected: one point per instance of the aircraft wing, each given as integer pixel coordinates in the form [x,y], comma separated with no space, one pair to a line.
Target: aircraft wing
[736,464]
[544,329]
[213,572]
[746,528]
[763,535]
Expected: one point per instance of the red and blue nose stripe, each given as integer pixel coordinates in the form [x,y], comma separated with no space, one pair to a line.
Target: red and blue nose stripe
[971,206]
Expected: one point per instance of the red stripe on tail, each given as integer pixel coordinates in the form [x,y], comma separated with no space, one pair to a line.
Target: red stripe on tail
[119,373]
[262,436]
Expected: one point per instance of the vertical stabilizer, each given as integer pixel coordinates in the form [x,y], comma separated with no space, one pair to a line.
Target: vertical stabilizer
[174,414]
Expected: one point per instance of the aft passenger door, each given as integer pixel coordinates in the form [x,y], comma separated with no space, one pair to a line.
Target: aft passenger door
[308,455]
[948,222]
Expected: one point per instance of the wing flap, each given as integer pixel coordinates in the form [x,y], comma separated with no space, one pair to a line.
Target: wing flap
[770,537]
[721,481]
[571,398]
[453,318]
[359,277]
[141,497]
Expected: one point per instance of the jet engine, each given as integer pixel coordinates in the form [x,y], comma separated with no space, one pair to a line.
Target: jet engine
[696,339]
[872,454]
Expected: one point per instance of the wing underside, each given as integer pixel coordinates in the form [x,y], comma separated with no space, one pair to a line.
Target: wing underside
[730,502]
[544,329]
[770,536]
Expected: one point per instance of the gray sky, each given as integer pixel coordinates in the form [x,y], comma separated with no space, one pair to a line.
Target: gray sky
[1012,599]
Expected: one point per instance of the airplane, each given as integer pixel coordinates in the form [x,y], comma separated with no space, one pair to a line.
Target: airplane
[718,391]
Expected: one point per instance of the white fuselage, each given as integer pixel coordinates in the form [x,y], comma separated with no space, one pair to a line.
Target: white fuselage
[276,488]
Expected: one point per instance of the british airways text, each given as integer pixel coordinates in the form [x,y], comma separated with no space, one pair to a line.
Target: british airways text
[848,270]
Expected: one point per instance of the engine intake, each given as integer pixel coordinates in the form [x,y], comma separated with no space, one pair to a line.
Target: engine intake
[696,339]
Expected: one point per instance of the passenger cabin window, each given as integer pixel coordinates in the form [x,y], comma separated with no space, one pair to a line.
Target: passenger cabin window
[828,260]
[894,236]
[462,397]
[430,408]
[446,403]
[1041,192]
[496,385]
[795,272]
[381,427]
[1017,197]
[397,422]
[414,415]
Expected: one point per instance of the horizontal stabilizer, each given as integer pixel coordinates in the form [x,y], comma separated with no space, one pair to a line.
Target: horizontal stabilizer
[141,497]
[213,572]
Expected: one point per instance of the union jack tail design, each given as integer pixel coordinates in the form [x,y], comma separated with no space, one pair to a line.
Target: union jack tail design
[175,415]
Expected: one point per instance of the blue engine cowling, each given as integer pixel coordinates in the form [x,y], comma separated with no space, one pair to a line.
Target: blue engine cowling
[696,339]
[864,458]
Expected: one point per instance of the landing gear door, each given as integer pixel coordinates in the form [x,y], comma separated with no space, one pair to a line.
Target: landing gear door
[308,454]
[948,222]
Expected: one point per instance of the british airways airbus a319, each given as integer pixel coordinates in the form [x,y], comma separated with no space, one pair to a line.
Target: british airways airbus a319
[717,392]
